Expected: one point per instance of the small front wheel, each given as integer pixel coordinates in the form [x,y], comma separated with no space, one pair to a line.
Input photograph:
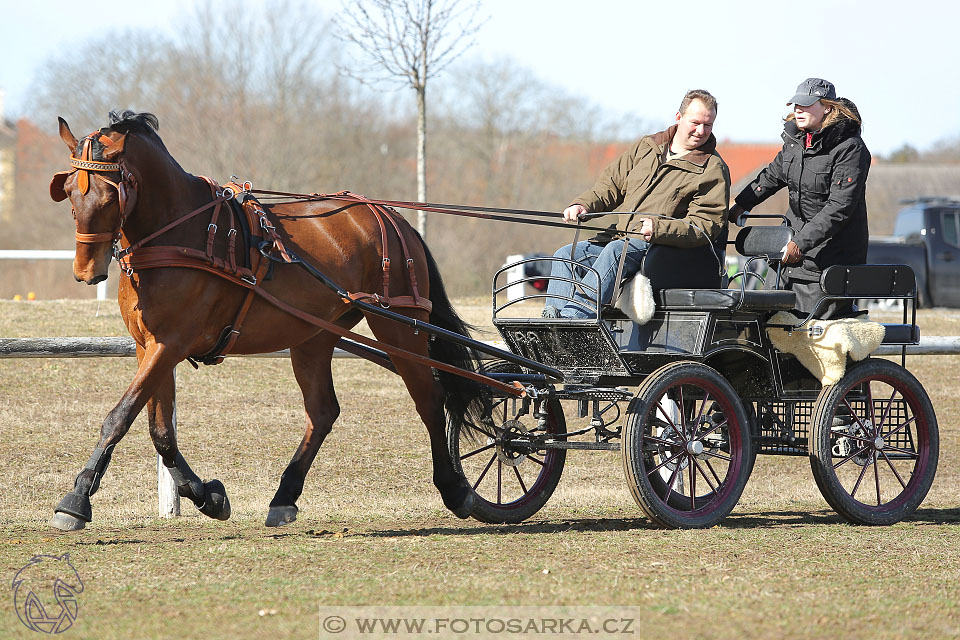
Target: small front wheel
[686,446]
[874,443]
[511,475]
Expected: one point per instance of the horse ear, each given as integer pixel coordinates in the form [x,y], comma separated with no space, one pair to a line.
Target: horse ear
[66,135]
[114,150]
[56,186]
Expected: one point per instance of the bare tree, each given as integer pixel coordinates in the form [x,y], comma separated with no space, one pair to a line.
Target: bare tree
[409,42]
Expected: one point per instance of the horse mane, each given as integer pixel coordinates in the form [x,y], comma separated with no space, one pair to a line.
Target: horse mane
[128,121]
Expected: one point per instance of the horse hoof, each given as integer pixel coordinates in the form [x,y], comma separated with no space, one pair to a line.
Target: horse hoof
[66,522]
[216,504]
[279,516]
[465,510]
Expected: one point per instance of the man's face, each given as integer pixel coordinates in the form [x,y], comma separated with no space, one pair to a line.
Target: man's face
[694,125]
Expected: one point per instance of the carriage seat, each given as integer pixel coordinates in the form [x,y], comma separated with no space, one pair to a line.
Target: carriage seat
[691,280]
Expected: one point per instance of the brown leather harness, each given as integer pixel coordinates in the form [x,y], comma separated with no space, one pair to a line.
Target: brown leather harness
[262,239]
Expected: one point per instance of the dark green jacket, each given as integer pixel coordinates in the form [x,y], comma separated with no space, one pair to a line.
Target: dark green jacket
[691,194]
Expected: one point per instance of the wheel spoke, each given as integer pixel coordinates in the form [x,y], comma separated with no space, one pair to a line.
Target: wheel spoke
[520,480]
[664,412]
[901,427]
[683,414]
[485,469]
[499,482]
[673,478]
[912,454]
[876,475]
[851,436]
[850,457]
[667,461]
[481,449]
[886,411]
[873,421]
[894,469]
[699,418]
[531,458]
[863,470]
[717,455]
[705,477]
[715,476]
[693,483]
[662,441]
[712,429]
[853,413]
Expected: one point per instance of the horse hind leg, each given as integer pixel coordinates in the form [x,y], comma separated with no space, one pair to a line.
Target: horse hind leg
[428,397]
[311,367]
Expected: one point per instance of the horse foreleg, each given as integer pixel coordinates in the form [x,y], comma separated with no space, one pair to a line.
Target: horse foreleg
[311,366]
[209,497]
[74,510]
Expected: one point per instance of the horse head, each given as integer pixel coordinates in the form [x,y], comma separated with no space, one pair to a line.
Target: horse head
[102,192]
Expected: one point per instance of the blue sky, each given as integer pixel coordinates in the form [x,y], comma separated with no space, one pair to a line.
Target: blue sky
[897,60]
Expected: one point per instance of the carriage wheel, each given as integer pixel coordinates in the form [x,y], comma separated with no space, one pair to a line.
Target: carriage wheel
[686,446]
[510,481]
[875,443]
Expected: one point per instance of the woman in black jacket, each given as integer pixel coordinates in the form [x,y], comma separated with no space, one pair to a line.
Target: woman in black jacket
[824,165]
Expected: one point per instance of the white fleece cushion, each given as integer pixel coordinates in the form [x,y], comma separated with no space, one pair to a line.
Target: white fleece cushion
[825,356]
[636,299]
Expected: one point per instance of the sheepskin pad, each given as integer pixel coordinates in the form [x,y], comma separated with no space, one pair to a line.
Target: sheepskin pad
[636,299]
[825,356]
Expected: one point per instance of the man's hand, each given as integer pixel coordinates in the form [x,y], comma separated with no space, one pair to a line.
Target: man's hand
[792,254]
[646,228]
[573,213]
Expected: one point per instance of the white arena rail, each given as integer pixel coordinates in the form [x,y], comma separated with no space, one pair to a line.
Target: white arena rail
[168,498]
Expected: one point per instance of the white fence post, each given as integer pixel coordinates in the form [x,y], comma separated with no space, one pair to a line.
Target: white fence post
[514,277]
[168,500]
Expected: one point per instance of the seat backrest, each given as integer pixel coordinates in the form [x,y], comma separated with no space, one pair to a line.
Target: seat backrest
[675,268]
[761,241]
[868,280]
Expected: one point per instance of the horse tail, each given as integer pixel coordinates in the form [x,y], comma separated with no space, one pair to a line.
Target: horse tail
[466,402]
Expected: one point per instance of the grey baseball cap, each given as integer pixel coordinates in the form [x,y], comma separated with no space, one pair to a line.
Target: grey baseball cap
[811,90]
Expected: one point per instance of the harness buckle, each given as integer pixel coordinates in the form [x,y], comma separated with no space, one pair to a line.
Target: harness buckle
[212,226]
[227,190]
[386,264]
[265,225]
[232,232]
[251,280]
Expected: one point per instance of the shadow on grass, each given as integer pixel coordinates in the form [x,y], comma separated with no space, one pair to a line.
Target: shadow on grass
[759,520]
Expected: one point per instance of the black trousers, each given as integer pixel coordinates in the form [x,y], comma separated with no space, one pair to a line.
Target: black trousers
[809,294]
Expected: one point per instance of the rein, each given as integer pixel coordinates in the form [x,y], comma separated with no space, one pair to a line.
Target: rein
[468,211]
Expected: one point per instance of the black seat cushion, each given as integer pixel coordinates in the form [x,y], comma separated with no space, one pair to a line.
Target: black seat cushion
[901,334]
[709,299]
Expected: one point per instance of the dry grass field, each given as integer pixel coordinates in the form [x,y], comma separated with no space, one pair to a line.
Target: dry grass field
[373,531]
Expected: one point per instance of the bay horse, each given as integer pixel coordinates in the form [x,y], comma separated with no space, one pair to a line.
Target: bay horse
[127,191]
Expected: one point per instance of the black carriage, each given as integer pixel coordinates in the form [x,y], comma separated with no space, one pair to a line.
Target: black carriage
[692,396]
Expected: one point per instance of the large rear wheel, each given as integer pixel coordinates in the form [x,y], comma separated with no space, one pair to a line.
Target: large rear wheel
[511,475]
[686,446]
[874,443]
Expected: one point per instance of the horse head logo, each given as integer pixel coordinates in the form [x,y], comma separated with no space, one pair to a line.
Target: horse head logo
[45,593]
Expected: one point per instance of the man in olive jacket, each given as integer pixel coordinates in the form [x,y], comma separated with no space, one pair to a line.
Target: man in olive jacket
[679,188]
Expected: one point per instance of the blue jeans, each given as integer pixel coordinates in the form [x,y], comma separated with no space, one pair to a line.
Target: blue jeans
[605,259]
